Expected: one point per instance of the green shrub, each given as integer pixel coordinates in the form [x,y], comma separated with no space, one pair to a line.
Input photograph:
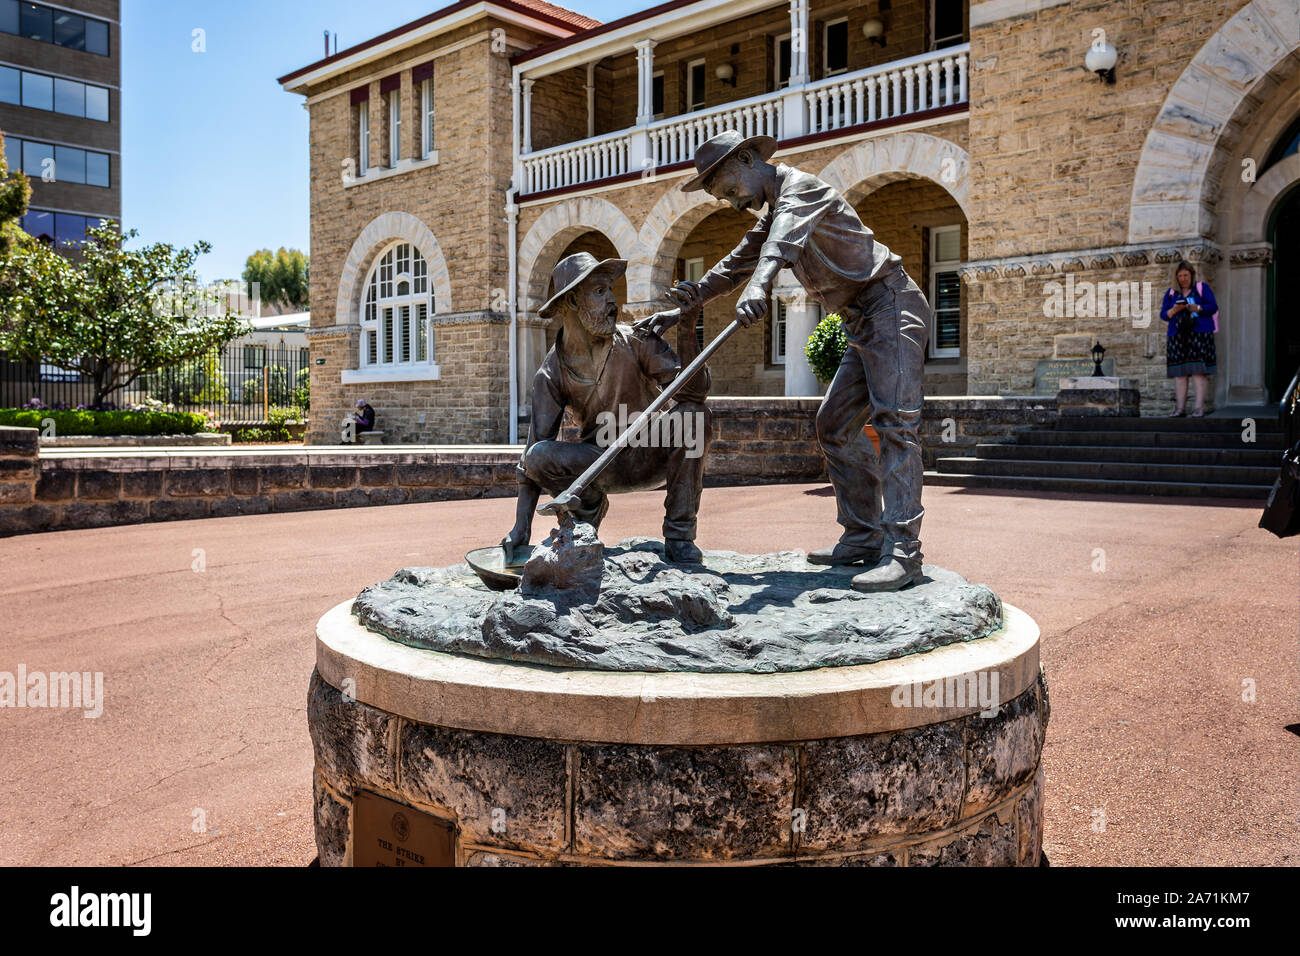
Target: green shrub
[302,390]
[277,420]
[825,348]
[277,388]
[195,382]
[106,423]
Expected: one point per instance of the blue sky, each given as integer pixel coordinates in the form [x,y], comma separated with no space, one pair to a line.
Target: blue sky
[212,148]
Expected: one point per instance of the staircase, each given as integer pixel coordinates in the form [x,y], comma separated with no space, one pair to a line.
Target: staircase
[1192,457]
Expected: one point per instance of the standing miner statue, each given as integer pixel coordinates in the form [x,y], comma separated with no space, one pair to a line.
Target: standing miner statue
[809,227]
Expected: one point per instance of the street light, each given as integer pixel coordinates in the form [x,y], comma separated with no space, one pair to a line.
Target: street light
[1098,353]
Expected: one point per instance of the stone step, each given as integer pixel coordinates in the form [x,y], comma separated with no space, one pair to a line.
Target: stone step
[1106,423]
[1110,470]
[1162,439]
[1174,455]
[1097,486]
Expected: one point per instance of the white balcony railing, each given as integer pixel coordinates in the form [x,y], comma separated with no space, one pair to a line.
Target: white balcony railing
[572,163]
[913,85]
[920,83]
[676,139]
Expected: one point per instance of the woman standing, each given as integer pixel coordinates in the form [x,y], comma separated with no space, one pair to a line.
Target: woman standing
[1192,313]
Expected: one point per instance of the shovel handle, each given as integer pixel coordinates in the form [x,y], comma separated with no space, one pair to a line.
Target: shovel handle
[568,499]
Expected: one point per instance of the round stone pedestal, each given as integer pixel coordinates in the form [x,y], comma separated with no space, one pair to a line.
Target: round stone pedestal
[928,759]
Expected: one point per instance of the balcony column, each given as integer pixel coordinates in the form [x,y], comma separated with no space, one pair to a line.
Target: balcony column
[640,158]
[800,380]
[527,112]
[591,100]
[645,70]
[799,42]
[794,105]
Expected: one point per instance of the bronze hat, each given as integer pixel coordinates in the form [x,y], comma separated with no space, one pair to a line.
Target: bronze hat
[572,270]
[715,152]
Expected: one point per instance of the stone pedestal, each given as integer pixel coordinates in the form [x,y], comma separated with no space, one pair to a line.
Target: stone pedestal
[927,759]
[1099,395]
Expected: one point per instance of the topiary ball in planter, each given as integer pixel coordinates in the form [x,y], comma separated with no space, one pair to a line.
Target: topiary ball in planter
[825,348]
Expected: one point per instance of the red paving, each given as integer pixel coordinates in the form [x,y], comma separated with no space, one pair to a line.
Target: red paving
[205,674]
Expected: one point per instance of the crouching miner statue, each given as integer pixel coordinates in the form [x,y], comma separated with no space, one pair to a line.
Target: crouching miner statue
[607,374]
[809,227]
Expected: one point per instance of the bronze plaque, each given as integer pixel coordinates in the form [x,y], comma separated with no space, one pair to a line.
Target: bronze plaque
[388,833]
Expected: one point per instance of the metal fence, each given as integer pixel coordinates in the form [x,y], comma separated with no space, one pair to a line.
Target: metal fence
[240,382]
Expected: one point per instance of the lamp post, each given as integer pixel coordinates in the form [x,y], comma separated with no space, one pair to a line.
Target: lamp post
[1098,353]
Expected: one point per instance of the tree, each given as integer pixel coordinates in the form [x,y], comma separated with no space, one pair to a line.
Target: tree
[16,245]
[115,316]
[282,276]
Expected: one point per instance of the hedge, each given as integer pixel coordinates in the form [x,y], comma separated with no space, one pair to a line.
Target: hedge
[106,423]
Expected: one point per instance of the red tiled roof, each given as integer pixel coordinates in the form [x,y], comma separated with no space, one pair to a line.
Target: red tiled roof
[548,11]
[560,13]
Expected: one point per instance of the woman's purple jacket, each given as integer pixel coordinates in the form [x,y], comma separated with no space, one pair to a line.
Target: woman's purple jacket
[1209,305]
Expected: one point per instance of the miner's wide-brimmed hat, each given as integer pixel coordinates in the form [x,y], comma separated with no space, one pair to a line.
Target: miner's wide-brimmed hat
[571,271]
[715,152]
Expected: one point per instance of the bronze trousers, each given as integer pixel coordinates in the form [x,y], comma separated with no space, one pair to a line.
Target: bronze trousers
[878,495]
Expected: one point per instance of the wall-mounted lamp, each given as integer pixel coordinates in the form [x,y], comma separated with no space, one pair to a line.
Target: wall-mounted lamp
[1101,60]
[874,30]
[726,73]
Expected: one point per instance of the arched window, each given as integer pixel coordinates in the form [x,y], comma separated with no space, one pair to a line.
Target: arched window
[396,312]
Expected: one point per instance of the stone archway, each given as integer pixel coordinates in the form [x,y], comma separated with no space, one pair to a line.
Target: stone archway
[382,230]
[1173,192]
[872,163]
[555,229]
[665,228]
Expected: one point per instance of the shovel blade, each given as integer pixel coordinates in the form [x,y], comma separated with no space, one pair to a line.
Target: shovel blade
[565,503]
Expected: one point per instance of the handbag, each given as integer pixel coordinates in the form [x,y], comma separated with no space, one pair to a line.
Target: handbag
[1282,511]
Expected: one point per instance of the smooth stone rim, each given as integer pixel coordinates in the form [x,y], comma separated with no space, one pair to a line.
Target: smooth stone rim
[663,709]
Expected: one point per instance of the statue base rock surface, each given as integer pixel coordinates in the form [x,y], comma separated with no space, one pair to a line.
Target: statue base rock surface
[737,613]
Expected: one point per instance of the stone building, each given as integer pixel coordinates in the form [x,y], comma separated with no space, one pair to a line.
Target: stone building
[457,159]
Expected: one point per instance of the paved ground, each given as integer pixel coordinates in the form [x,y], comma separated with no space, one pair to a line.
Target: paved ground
[1153,614]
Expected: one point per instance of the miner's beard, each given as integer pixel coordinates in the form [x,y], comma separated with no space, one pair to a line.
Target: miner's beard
[599,323]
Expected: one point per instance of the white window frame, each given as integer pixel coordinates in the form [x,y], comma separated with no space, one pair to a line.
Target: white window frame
[776,61]
[693,271]
[934,40]
[399,262]
[394,127]
[826,47]
[690,85]
[938,265]
[426,118]
[363,137]
[780,342]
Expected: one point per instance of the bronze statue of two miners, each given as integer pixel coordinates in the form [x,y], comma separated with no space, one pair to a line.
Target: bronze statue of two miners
[600,368]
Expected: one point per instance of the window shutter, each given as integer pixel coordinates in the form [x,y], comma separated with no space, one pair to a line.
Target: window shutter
[390,83]
[361,95]
[422,72]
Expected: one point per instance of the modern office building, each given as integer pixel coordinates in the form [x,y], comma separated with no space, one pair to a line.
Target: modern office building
[60,111]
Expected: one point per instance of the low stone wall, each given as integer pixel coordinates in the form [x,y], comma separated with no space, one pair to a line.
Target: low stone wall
[90,492]
[19,469]
[756,441]
[762,440]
